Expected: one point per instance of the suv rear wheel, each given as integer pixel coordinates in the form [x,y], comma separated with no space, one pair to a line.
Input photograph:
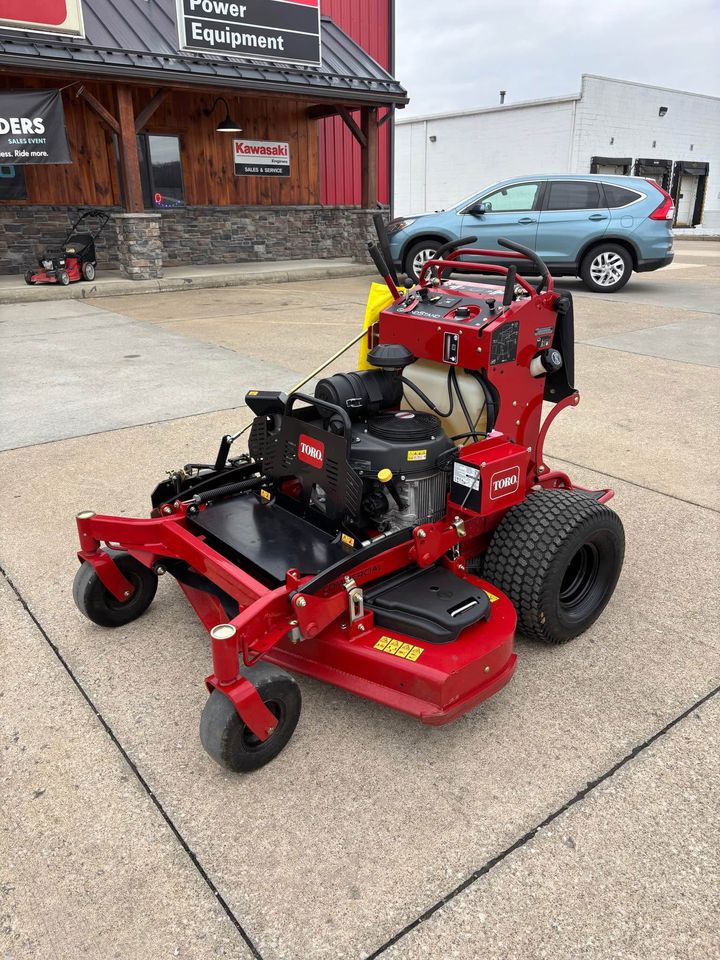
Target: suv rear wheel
[418,254]
[606,268]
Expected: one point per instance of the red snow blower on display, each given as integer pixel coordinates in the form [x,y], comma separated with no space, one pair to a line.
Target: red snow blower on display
[388,531]
[76,258]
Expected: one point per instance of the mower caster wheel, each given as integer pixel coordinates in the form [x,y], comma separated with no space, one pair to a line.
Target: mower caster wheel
[29,278]
[94,600]
[557,556]
[230,742]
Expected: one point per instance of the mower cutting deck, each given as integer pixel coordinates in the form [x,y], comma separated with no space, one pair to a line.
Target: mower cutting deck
[364,539]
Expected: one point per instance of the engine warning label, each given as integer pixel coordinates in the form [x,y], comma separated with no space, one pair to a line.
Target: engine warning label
[415,455]
[399,649]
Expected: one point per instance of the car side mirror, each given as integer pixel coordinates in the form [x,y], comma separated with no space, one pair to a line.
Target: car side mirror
[478,209]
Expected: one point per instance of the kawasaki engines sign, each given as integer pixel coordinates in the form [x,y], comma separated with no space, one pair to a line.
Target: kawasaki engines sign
[32,127]
[261,158]
[284,30]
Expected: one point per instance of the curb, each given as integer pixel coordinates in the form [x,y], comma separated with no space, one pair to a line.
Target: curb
[121,288]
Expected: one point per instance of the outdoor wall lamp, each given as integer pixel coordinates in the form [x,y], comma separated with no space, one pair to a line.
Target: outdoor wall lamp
[662,111]
[227,125]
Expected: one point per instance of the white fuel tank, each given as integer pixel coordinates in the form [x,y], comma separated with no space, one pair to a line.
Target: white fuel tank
[432,379]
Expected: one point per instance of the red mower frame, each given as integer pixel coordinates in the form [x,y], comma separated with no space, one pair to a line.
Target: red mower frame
[317,625]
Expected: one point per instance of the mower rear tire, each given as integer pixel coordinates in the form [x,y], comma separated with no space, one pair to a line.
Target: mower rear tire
[88,271]
[230,742]
[97,603]
[606,268]
[557,556]
[29,277]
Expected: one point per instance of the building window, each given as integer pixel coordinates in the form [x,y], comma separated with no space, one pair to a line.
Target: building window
[573,195]
[161,171]
[12,182]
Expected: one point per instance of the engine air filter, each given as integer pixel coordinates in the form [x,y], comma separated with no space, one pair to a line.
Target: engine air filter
[405,426]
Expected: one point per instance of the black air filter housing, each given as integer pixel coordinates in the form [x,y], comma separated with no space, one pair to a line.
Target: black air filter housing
[405,442]
[405,425]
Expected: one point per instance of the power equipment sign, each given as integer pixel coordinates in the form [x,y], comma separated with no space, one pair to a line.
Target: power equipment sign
[32,127]
[284,30]
[44,16]
[261,158]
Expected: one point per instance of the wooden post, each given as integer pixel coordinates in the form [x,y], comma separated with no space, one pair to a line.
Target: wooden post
[129,157]
[368,158]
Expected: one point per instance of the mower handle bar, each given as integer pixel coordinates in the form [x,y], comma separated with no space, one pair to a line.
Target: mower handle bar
[452,251]
[473,267]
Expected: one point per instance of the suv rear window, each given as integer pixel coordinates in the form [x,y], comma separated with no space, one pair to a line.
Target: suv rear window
[573,195]
[616,196]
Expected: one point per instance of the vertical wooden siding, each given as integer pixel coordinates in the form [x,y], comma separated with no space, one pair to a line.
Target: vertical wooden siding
[207,159]
[367,23]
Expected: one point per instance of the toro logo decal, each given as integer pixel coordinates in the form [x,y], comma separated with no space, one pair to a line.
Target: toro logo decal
[504,482]
[311,451]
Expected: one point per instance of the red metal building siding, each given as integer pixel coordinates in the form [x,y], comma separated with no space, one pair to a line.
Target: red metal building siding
[367,22]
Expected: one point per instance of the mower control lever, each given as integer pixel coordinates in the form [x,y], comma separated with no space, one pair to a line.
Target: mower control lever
[531,255]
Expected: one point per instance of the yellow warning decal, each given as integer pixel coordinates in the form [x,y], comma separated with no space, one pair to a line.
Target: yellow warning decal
[347,539]
[252,393]
[397,648]
[491,596]
[266,495]
[414,455]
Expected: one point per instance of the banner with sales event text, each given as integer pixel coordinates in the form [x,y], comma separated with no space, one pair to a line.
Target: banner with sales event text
[32,127]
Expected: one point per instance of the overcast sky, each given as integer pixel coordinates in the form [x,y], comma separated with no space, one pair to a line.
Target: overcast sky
[457,54]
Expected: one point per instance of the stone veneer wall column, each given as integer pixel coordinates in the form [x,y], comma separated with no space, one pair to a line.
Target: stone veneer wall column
[140,249]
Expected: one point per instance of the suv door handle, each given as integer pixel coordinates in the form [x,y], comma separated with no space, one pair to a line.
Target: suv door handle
[597,216]
[526,220]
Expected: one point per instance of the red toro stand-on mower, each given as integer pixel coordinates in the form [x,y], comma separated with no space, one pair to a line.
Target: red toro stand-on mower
[76,258]
[387,533]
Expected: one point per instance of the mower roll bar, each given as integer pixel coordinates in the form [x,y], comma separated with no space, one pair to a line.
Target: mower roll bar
[450,260]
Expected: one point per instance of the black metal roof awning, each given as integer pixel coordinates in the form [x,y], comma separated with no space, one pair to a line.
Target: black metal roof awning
[134,40]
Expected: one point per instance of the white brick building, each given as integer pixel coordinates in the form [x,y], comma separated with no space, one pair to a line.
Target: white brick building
[611,126]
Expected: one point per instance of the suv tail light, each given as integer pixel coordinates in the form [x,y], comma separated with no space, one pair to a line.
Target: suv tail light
[666,210]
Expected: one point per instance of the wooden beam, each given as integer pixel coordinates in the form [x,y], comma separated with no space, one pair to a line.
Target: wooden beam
[368,158]
[99,109]
[320,111]
[354,129]
[149,110]
[386,116]
[129,157]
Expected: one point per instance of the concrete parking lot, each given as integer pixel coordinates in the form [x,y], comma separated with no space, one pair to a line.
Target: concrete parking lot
[574,815]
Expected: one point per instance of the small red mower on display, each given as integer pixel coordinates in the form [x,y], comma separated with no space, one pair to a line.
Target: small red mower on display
[75,259]
[388,532]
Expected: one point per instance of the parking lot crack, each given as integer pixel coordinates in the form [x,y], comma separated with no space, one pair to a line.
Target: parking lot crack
[495,861]
[133,766]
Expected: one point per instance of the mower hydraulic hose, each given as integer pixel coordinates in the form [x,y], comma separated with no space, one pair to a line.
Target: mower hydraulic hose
[228,490]
[463,405]
[427,401]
